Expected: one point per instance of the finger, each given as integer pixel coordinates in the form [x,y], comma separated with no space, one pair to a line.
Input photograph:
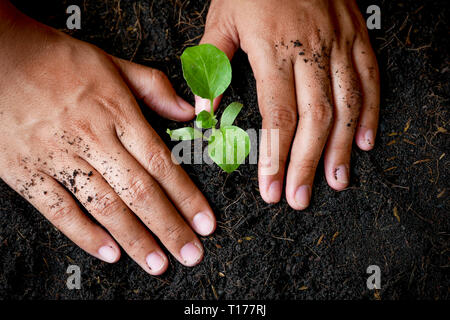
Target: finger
[367,69]
[204,104]
[153,87]
[220,38]
[151,153]
[315,105]
[277,104]
[58,206]
[97,196]
[347,101]
[146,199]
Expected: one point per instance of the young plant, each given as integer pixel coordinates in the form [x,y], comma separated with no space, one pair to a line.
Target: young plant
[207,72]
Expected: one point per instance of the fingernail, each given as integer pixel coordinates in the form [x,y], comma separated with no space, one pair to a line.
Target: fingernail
[275,191]
[202,104]
[155,261]
[183,104]
[203,223]
[369,138]
[191,254]
[107,253]
[341,174]
[302,196]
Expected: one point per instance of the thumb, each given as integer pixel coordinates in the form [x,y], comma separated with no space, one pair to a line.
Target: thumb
[153,87]
[229,46]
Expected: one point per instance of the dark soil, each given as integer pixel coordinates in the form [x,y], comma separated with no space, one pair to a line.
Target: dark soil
[395,214]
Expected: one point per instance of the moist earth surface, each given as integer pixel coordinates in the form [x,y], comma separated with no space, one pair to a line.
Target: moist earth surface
[394,214]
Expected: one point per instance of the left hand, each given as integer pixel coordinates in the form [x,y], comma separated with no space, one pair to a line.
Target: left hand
[73,136]
[317,81]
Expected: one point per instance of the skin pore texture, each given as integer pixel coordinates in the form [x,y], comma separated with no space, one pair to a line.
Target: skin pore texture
[69,134]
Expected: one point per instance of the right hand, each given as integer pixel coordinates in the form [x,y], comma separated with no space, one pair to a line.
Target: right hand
[71,127]
[317,82]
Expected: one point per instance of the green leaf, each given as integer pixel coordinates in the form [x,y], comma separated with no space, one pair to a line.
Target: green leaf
[207,70]
[228,147]
[187,133]
[205,120]
[230,114]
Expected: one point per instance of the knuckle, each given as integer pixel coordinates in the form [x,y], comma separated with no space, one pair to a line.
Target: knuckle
[61,214]
[355,99]
[85,129]
[271,161]
[321,113]
[265,162]
[138,242]
[306,165]
[370,71]
[141,191]
[157,76]
[322,35]
[343,148]
[160,163]
[175,232]
[107,204]
[112,104]
[280,117]
[186,200]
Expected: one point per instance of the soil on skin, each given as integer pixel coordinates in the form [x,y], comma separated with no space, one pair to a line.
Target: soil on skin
[395,214]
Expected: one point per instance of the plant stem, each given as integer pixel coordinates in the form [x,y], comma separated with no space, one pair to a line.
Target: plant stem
[212,115]
[212,108]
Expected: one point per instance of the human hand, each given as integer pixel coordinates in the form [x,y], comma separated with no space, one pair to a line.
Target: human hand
[317,81]
[71,128]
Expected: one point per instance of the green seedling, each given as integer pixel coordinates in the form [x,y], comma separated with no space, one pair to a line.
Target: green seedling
[207,72]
